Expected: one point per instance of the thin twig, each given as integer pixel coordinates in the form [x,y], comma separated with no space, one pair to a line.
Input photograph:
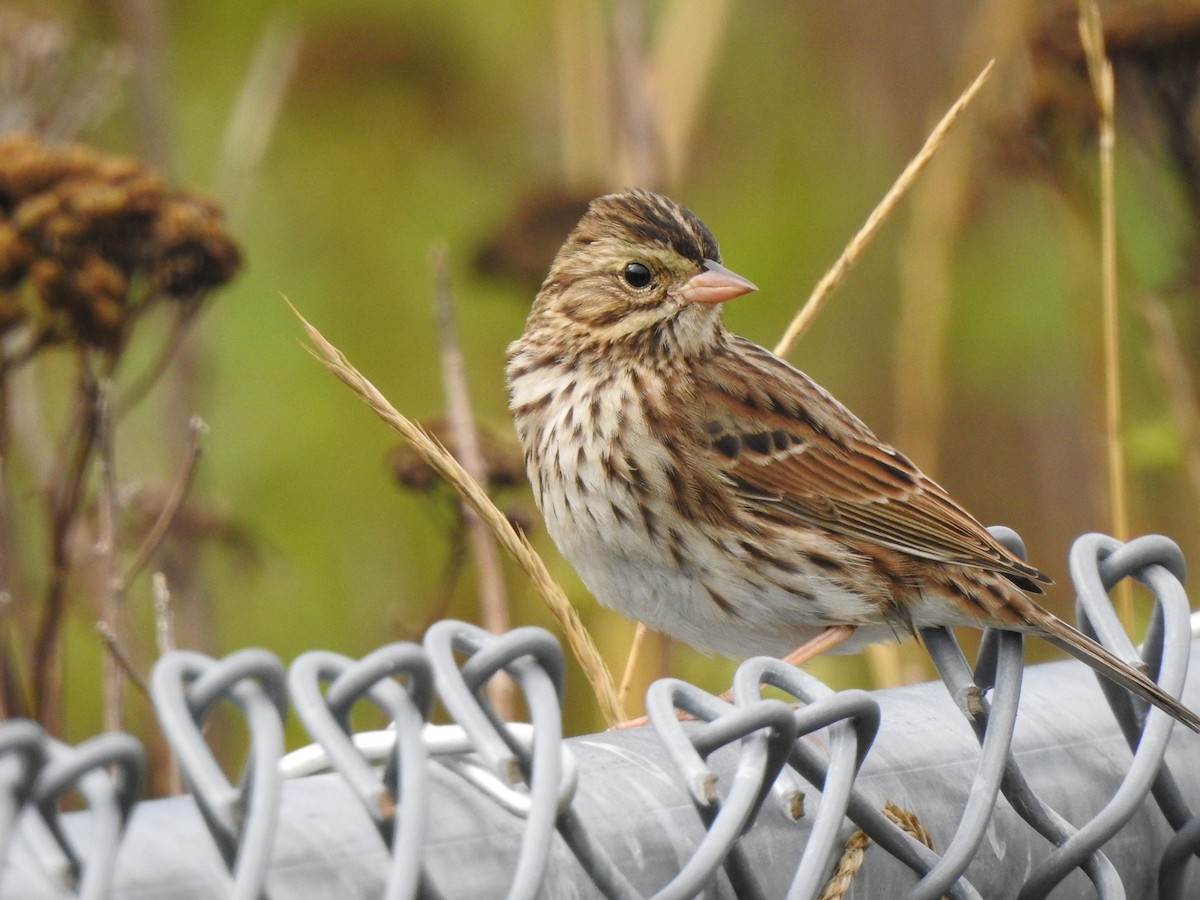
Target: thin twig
[111,625]
[631,663]
[164,624]
[183,317]
[879,215]
[640,160]
[1100,73]
[171,505]
[511,540]
[256,113]
[66,496]
[117,654]
[493,598]
[164,640]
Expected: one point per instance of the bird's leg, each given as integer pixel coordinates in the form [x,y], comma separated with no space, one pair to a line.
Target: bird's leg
[826,640]
[823,642]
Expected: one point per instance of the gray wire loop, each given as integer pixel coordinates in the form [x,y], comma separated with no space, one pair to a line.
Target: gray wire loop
[109,796]
[1175,858]
[994,723]
[1156,562]
[853,718]
[1125,560]
[22,755]
[461,699]
[765,730]
[534,660]
[402,791]
[186,686]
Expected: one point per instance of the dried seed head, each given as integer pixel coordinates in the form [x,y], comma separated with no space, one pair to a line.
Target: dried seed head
[99,238]
[502,459]
[1155,52]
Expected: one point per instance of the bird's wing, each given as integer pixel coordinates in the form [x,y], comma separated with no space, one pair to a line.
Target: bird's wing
[795,453]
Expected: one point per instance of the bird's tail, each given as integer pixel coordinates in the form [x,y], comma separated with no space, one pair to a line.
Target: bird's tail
[1110,666]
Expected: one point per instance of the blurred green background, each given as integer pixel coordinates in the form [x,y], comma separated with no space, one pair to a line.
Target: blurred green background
[969,334]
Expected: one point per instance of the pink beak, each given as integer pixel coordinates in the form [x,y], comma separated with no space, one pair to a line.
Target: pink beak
[715,284]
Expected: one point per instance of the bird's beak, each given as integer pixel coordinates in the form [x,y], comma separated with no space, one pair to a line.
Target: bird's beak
[715,284]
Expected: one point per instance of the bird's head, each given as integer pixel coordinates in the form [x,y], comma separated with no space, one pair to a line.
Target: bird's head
[639,266]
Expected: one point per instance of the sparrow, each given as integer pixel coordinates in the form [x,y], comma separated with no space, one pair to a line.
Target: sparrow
[706,487]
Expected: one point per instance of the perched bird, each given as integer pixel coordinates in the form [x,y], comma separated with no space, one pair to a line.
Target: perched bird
[701,484]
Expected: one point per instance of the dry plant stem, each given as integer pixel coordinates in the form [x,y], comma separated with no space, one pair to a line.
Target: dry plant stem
[856,845]
[1091,33]
[66,496]
[145,381]
[164,626]
[513,542]
[631,663]
[1181,388]
[164,640]
[585,113]
[112,602]
[883,660]
[683,60]
[120,659]
[493,598]
[640,160]
[823,642]
[171,506]
[256,113]
[879,215]
[937,211]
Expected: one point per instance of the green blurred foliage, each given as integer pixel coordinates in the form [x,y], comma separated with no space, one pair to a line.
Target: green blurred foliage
[410,122]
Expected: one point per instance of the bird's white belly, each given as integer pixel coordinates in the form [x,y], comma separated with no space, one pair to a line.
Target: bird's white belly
[675,576]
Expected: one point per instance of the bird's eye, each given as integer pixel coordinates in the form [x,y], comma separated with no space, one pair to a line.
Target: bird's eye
[636,274]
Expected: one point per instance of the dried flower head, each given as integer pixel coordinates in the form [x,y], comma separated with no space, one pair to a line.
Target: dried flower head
[523,245]
[1155,52]
[502,459]
[95,240]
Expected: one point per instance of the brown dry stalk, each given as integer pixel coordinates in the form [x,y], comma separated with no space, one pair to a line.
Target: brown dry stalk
[112,614]
[493,598]
[515,543]
[683,62]
[1100,73]
[66,495]
[255,115]
[837,272]
[120,658]
[171,505]
[631,663]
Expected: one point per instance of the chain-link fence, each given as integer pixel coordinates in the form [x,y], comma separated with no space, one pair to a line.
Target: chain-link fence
[1001,782]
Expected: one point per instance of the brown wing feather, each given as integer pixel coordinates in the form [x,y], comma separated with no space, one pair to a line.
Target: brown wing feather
[791,446]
